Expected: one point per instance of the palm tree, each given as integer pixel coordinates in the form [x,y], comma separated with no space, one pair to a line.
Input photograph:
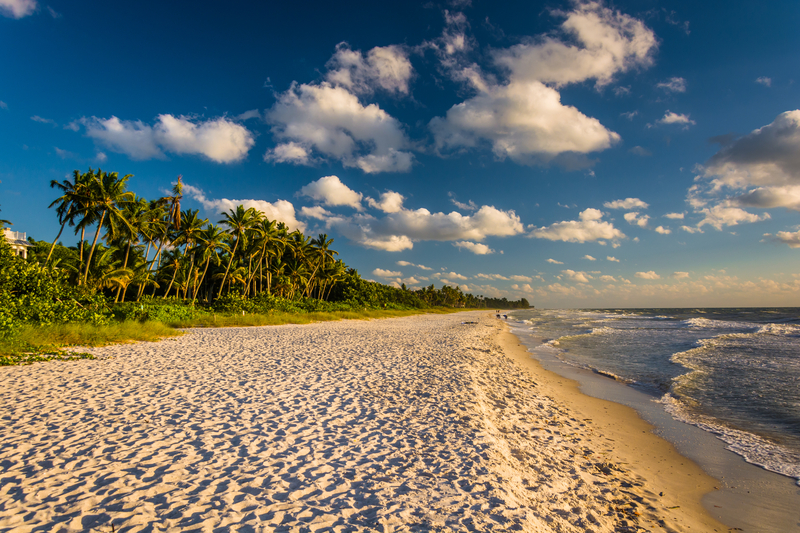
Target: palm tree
[136,214]
[187,235]
[239,221]
[72,200]
[106,193]
[211,240]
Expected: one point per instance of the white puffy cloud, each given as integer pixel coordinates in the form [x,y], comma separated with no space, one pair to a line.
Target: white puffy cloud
[607,279]
[674,216]
[330,120]
[474,247]
[492,276]
[612,259]
[680,275]
[662,230]
[673,85]
[787,237]
[381,273]
[290,152]
[406,263]
[332,192]
[523,118]
[17,9]
[767,156]
[722,215]
[553,261]
[317,212]
[581,277]
[589,257]
[589,228]
[280,211]
[517,277]
[647,275]
[636,219]
[397,231]
[385,67]
[676,118]
[219,139]
[600,43]
[390,202]
[627,203]
[763,80]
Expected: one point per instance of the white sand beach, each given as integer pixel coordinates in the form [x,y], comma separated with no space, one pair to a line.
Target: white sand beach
[425,423]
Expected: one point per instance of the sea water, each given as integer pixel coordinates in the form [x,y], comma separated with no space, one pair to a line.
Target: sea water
[732,372]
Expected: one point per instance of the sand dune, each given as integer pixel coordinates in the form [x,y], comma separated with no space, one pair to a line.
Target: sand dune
[409,424]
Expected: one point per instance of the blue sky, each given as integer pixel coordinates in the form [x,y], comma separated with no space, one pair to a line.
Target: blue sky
[575,153]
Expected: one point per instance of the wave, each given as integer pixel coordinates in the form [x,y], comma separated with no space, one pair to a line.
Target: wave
[753,448]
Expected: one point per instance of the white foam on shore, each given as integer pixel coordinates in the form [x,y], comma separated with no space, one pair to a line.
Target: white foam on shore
[415,423]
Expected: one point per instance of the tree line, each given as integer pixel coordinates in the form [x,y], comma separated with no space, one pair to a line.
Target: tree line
[131,249]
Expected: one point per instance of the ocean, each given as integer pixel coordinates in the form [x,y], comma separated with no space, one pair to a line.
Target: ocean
[732,372]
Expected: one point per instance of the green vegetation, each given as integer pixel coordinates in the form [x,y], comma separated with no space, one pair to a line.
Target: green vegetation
[151,266]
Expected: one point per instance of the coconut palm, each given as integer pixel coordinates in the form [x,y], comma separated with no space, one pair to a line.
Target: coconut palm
[239,221]
[210,241]
[105,194]
[70,203]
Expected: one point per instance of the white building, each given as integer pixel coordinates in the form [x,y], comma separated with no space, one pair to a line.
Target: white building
[18,241]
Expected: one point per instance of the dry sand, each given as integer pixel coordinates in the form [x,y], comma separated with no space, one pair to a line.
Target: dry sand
[422,423]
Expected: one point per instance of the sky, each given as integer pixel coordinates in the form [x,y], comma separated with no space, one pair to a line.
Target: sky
[574,153]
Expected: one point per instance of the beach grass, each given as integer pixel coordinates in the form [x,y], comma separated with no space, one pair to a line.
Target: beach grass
[34,343]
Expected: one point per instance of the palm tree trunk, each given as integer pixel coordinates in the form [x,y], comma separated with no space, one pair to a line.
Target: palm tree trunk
[174,273]
[53,246]
[233,253]
[197,287]
[94,244]
[124,266]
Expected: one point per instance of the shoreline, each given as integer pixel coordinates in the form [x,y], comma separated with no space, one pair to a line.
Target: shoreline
[749,498]
[421,423]
[675,483]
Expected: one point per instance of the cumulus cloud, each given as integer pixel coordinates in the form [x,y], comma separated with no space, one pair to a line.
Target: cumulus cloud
[523,118]
[674,216]
[390,202]
[767,156]
[219,139]
[589,257]
[330,191]
[406,263]
[787,196]
[647,275]
[662,230]
[492,276]
[612,259]
[474,247]
[627,203]
[673,85]
[406,226]
[581,277]
[607,279]
[722,215]
[680,275]
[317,212]
[553,261]
[17,9]
[280,211]
[330,120]
[635,219]
[384,67]
[517,277]
[589,228]
[763,80]
[676,118]
[381,273]
[790,238]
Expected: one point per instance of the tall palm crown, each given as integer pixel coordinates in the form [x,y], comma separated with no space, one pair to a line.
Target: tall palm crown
[239,221]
